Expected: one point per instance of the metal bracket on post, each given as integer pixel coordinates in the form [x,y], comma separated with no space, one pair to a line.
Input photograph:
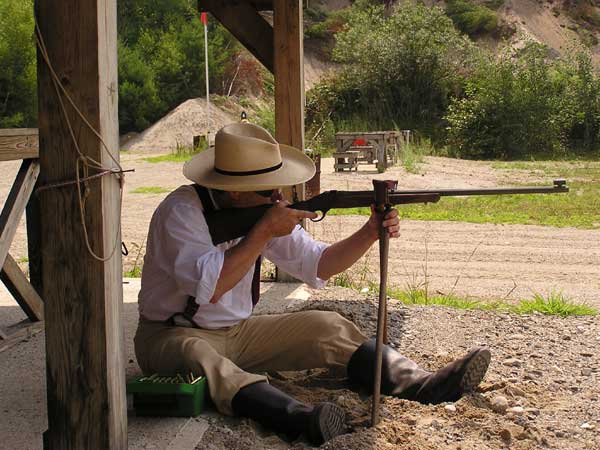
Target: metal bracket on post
[382,207]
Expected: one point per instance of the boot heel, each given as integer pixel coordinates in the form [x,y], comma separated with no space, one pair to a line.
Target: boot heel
[328,422]
[475,370]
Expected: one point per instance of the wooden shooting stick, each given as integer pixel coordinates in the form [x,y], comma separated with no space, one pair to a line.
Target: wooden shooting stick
[382,206]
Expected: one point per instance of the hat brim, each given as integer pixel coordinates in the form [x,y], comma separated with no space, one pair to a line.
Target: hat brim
[296,168]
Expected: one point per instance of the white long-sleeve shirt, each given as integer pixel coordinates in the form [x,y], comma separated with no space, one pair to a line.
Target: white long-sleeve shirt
[181,261]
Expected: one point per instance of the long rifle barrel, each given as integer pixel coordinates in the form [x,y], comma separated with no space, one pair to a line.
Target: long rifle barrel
[558,186]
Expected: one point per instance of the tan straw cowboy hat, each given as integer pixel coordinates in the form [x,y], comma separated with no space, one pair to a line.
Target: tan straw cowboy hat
[247,158]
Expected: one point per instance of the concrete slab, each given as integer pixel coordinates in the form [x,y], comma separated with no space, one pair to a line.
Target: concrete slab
[277,298]
[23,408]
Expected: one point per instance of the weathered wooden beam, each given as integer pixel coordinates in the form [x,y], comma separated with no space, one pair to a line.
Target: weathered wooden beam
[83,296]
[19,332]
[289,73]
[246,24]
[289,82]
[15,204]
[18,285]
[34,242]
[18,143]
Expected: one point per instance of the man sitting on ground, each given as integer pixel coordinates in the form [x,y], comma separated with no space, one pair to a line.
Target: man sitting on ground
[217,286]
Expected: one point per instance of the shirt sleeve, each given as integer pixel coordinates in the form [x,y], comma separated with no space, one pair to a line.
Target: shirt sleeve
[189,255]
[297,254]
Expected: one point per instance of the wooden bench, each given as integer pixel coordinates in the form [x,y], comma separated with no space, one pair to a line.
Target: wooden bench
[345,160]
[366,153]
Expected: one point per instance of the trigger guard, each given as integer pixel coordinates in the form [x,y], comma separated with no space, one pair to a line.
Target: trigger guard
[319,219]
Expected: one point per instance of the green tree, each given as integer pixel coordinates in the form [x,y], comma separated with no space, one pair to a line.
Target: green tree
[18,107]
[400,69]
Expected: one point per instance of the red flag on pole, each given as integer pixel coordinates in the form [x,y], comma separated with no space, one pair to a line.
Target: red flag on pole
[204,18]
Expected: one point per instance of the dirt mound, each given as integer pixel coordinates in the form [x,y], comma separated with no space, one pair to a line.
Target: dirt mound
[179,127]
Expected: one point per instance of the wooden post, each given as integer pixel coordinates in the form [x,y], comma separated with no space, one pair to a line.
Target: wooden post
[289,82]
[83,296]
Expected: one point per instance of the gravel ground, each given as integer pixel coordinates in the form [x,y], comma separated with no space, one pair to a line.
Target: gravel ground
[541,390]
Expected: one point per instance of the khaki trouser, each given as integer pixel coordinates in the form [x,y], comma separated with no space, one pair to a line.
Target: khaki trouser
[227,357]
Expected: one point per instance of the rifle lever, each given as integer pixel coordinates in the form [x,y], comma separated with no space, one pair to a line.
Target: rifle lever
[324,213]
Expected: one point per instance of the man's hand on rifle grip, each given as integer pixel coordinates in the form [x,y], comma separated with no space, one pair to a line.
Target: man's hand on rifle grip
[281,221]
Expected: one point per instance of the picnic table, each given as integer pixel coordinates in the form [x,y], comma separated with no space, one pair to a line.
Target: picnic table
[354,147]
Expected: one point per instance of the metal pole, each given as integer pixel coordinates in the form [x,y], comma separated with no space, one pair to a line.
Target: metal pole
[381,206]
[207,90]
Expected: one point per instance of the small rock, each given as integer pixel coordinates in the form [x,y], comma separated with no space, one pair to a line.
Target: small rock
[587,354]
[518,410]
[505,435]
[450,408]
[533,411]
[525,434]
[586,372]
[499,404]
[515,391]
[512,362]
[435,424]
[586,426]
[341,399]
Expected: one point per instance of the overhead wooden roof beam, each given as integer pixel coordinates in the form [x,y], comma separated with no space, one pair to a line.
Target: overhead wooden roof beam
[242,20]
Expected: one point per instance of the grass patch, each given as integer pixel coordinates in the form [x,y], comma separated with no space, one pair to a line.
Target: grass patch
[556,305]
[150,190]
[578,208]
[471,18]
[135,272]
[180,154]
[412,155]
[422,297]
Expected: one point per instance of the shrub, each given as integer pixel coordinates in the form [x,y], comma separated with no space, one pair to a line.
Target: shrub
[471,18]
[523,105]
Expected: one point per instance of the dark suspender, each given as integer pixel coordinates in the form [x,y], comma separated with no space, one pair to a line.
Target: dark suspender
[192,307]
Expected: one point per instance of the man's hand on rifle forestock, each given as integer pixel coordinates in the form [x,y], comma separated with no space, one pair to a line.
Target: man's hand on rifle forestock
[391,222]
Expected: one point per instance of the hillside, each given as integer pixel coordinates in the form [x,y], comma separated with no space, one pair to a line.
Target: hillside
[559,24]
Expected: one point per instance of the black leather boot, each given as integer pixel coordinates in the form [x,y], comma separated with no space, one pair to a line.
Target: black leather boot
[278,411]
[403,378]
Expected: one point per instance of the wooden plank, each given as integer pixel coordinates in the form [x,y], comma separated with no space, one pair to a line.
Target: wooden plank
[18,143]
[289,84]
[246,24]
[17,333]
[23,292]
[15,204]
[83,296]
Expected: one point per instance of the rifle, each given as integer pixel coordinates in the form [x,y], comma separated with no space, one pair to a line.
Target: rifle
[241,220]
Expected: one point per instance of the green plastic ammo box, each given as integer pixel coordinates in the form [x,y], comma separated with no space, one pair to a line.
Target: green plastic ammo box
[167,396]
